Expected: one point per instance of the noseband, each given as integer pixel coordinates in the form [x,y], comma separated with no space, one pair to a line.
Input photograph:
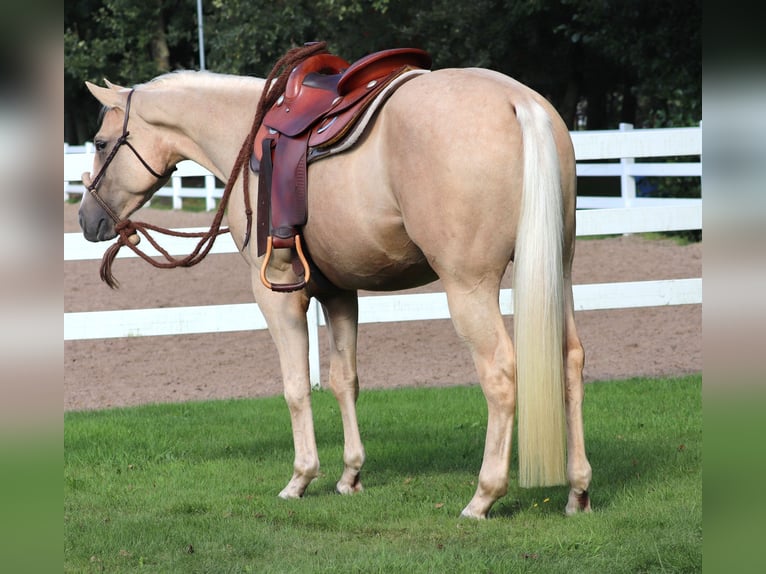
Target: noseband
[122,140]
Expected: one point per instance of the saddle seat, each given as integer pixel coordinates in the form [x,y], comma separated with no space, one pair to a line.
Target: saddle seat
[324,99]
[325,85]
[310,92]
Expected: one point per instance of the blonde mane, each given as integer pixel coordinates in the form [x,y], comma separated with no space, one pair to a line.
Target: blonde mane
[201,79]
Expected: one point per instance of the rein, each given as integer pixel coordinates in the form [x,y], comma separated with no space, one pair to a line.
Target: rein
[128,230]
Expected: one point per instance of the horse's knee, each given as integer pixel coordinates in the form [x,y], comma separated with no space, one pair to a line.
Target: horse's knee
[297,397]
[343,382]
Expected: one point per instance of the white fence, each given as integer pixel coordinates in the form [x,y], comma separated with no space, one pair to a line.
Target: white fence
[624,144]
[79,159]
[634,215]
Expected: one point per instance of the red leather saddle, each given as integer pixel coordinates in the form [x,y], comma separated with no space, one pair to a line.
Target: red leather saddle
[324,98]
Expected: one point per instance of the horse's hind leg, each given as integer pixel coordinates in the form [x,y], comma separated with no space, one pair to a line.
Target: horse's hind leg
[578,467]
[341,312]
[476,315]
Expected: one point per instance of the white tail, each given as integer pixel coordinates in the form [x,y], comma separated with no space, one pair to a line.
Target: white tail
[539,307]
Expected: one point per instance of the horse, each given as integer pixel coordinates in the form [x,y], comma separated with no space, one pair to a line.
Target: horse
[463,172]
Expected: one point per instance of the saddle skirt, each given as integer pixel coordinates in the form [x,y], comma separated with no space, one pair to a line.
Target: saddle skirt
[326,107]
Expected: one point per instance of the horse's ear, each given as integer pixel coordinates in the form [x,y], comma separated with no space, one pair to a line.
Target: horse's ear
[108,97]
[112,86]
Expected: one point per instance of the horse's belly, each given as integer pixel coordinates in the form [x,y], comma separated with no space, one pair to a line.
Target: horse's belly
[360,264]
[355,232]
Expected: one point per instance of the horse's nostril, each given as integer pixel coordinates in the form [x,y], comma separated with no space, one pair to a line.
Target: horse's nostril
[100,232]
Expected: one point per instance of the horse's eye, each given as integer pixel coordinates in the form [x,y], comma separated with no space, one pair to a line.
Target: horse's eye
[100,145]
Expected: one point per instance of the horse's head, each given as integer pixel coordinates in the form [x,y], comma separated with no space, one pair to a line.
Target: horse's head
[132,162]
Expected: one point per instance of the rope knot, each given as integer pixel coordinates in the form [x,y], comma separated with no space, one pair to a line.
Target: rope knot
[124,225]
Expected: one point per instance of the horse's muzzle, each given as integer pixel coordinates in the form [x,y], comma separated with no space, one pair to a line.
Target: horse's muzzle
[97,228]
[96,225]
[95,222]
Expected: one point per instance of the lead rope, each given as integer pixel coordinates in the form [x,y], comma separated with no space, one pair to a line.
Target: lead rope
[127,228]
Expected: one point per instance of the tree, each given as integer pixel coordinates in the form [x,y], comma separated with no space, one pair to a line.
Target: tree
[636,61]
[641,60]
[124,41]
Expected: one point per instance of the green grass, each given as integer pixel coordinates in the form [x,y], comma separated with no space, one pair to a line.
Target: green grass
[192,488]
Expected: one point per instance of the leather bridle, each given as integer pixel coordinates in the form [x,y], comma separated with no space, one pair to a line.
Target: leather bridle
[122,140]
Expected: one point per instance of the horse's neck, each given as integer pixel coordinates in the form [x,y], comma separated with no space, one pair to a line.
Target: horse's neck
[214,121]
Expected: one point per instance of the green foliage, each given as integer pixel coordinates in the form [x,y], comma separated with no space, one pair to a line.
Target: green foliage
[637,61]
[645,55]
[192,488]
[124,41]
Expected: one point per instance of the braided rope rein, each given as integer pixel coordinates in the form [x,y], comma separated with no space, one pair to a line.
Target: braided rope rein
[128,230]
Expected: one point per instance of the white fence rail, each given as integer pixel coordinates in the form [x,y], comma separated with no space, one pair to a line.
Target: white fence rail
[79,159]
[634,216]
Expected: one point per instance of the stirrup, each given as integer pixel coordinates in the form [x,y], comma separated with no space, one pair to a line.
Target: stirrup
[285,287]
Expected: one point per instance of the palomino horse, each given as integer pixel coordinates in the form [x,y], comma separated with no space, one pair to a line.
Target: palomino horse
[462,172]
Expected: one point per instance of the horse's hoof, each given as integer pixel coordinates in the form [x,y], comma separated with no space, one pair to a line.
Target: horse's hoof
[343,488]
[468,513]
[349,483]
[291,493]
[288,496]
[578,502]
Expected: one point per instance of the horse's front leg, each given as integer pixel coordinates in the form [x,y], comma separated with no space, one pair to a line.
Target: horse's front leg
[341,311]
[285,314]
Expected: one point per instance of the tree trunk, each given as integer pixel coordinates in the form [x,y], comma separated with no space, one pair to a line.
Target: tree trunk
[629,104]
[160,50]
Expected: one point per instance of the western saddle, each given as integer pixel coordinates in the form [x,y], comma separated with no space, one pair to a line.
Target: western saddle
[326,106]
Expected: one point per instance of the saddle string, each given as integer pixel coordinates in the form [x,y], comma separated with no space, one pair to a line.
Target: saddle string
[274,86]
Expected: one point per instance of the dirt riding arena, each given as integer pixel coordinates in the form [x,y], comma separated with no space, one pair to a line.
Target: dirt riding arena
[138,370]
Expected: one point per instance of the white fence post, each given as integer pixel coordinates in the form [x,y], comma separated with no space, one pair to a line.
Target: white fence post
[209,191]
[83,161]
[313,319]
[178,202]
[627,181]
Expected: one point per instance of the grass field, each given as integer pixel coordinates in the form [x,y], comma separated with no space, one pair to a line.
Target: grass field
[192,488]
